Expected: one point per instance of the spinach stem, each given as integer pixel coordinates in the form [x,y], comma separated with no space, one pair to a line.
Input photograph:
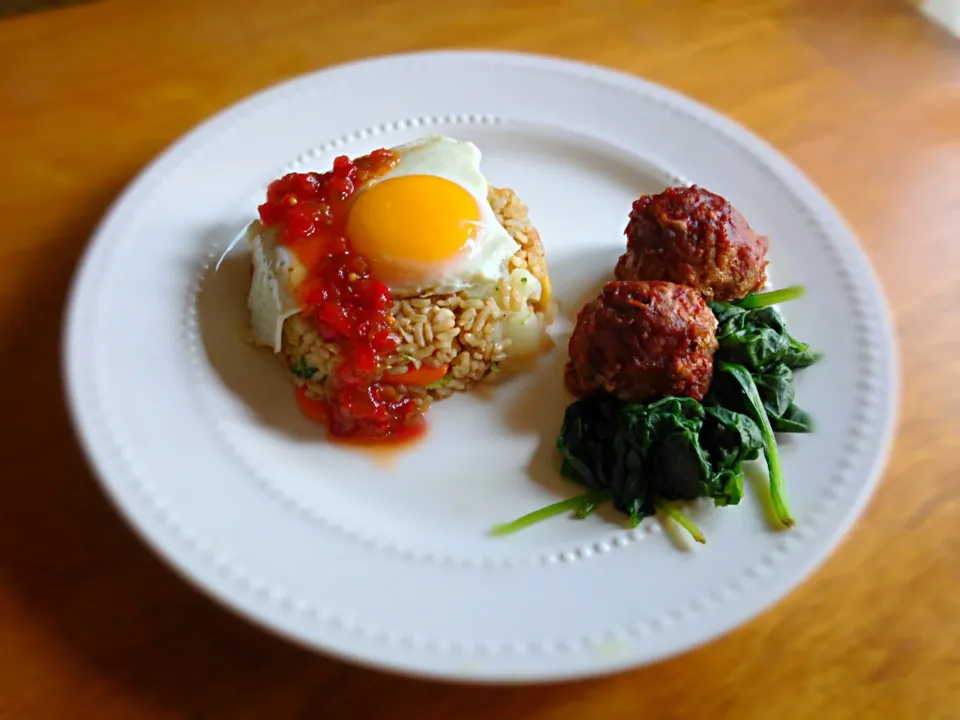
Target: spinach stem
[587,508]
[680,517]
[575,503]
[764,299]
[778,490]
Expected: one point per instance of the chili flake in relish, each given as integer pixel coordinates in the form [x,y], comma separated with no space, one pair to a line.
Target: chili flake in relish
[342,299]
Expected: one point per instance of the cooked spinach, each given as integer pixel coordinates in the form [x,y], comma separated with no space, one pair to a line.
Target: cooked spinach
[582,505]
[758,339]
[753,375]
[302,369]
[675,514]
[776,393]
[733,387]
[642,456]
[754,335]
[591,501]
[771,297]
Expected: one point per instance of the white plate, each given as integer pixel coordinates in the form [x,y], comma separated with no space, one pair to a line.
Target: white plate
[197,439]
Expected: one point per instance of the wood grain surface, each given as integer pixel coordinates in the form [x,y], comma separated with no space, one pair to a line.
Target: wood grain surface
[864,96]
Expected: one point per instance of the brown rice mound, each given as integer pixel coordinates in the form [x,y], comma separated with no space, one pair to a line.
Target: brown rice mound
[439,329]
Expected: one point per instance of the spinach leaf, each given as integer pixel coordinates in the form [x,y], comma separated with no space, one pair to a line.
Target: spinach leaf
[668,431]
[794,420]
[601,453]
[644,455]
[800,355]
[302,369]
[776,393]
[754,335]
[776,389]
[731,439]
[758,338]
[733,387]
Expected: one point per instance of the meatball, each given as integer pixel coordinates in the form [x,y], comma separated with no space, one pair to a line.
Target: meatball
[641,341]
[694,237]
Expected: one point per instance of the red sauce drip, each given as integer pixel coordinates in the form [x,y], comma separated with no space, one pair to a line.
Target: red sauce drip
[343,300]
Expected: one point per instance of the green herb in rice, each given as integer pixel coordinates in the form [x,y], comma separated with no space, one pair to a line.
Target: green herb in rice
[302,369]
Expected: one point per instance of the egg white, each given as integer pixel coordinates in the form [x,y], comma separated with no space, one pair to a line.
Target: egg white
[273,297]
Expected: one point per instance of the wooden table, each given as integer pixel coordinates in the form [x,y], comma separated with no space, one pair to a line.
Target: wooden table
[864,96]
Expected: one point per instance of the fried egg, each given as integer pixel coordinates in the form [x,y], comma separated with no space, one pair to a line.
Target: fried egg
[277,273]
[426,225]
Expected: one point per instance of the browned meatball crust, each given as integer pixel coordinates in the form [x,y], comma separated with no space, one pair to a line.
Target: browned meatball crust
[643,340]
[694,237]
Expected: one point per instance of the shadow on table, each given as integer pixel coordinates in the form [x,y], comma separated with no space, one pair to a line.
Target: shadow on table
[9,8]
[71,569]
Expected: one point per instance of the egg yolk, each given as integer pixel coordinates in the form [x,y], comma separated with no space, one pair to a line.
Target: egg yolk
[406,225]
